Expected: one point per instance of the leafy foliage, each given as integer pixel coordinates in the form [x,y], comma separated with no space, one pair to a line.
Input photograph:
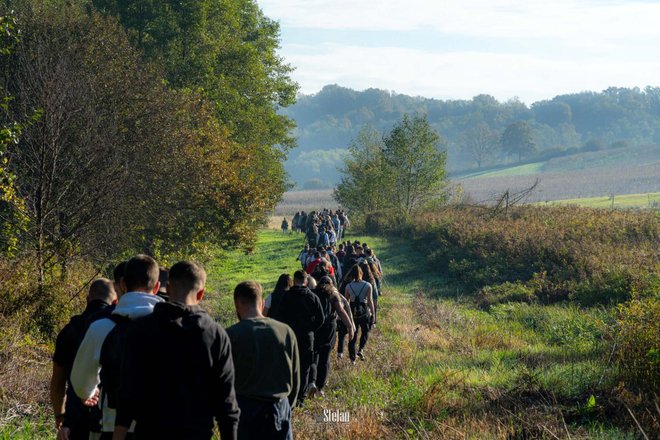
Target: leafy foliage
[404,171]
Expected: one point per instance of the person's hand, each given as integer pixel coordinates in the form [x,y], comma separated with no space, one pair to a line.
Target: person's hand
[63,433]
[92,401]
[351,333]
[59,419]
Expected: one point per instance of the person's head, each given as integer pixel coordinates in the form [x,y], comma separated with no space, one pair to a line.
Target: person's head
[355,274]
[300,278]
[118,275]
[317,255]
[341,247]
[284,282]
[358,250]
[186,282]
[163,277]
[369,252]
[248,299]
[141,275]
[102,290]
[326,280]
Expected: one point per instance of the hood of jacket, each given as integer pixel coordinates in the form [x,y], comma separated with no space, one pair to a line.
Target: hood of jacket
[186,317]
[136,304]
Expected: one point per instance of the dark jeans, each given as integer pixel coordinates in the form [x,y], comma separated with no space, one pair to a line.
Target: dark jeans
[108,436]
[306,360]
[321,367]
[264,420]
[361,324]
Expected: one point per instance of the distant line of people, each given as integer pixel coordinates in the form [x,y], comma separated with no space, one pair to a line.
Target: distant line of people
[145,361]
[321,228]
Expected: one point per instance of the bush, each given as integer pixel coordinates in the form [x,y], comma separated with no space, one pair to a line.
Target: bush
[506,292]
[638,339]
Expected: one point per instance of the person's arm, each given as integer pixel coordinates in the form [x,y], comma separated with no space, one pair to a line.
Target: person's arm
[295,369]
[226,410]
[87,365]
[344,316]
[319,316]
[57,390]
[370,302]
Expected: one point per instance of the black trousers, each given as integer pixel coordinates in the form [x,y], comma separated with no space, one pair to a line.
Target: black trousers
[361,325]
[306,354]
[321,367]
[264,420]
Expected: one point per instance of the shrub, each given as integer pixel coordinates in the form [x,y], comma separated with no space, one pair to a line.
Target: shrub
[638,339]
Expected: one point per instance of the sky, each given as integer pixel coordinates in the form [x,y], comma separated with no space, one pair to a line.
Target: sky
[453,49]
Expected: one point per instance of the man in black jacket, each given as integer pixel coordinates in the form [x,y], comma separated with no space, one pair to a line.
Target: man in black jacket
[71,416]
[301,310]
[177,373]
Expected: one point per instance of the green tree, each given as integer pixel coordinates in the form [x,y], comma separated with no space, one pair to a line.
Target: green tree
[228,50]
[415,162]
[517,140]
[365,186]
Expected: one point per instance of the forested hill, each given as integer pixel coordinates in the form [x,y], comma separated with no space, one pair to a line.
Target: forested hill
[587,121]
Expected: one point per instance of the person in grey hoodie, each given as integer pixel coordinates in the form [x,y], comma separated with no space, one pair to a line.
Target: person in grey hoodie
[141,285]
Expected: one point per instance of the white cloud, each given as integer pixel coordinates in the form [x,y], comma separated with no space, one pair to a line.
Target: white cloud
[533,49]
[462,74]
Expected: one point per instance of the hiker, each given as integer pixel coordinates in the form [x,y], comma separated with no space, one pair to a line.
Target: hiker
[302,256]
[377,276]
[177,374]
[284,283]
[72,418]
[301,310]
[359,293]
[285,226]
[267,365]
[98,361]
[324,337]
[316,260]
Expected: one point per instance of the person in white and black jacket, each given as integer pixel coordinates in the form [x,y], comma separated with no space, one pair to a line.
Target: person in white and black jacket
[177,373]
[141,284]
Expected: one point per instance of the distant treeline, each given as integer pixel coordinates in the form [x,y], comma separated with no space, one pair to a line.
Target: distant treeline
[472,129]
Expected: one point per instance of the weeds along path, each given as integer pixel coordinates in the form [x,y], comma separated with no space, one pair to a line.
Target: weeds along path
[438,367]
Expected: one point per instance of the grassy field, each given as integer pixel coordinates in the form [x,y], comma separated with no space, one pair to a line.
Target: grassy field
[648,200]
[436,366]
[519,170]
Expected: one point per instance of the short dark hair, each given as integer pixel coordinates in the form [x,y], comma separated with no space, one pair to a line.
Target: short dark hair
[118,273]
[186,277]
[141,272]
[103,290]
[299,275]
[248,292]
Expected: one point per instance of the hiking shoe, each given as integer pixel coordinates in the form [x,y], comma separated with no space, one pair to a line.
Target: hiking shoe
[311,390]
[321,393]
[352,361]
[360,355]
[340,355]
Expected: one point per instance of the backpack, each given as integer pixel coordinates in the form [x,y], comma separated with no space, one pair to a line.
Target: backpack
[358,308]
[111,358]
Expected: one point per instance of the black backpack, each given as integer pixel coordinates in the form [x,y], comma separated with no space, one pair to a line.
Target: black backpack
[111,358]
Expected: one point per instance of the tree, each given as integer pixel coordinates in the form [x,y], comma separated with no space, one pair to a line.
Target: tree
[118,162]
[415,161]
[228,50]
[365,185]
[481,143]
[517,140]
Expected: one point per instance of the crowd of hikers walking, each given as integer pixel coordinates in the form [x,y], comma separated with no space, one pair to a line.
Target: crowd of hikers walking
[145,361]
